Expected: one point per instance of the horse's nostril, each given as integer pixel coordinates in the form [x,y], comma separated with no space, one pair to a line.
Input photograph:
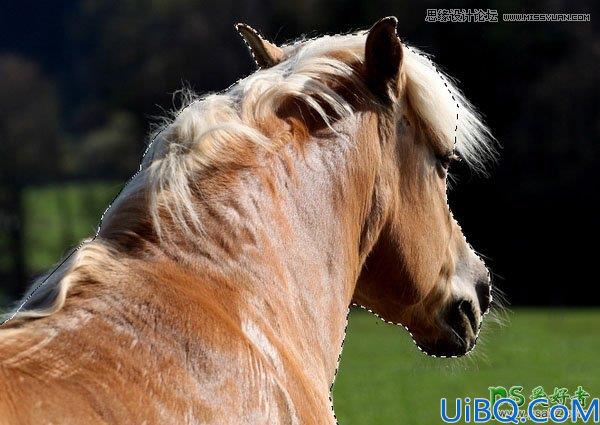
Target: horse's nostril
[462,322]
[484,296]
[461,316]
[467,309]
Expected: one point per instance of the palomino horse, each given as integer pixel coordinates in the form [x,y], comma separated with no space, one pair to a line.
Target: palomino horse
[218,286]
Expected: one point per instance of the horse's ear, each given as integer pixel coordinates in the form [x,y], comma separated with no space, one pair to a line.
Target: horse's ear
[265,54]
[383,56]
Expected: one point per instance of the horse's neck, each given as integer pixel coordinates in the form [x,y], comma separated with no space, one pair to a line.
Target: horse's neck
[290,237]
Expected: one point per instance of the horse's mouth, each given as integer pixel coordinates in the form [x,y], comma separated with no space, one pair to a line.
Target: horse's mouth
[459,329]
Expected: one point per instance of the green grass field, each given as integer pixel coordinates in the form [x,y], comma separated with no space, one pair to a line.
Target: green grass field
[385,379]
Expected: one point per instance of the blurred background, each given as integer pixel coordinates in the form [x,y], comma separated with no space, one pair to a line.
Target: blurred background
[81,83]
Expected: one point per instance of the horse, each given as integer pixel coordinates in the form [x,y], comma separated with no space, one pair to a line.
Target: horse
[218,285]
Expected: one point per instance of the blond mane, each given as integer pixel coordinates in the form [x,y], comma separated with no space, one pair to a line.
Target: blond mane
[215,130]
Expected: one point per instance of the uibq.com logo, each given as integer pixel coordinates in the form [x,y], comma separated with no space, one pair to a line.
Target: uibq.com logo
[515,405]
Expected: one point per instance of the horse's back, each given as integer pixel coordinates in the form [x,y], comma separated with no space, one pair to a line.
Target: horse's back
[138,362]
[99,371]
[40,383]
[53,379]
[8,409]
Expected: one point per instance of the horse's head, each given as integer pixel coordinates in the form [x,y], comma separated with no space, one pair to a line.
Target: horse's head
[418,270]
[421,272]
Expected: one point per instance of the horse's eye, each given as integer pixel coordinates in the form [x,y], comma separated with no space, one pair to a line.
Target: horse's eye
[446,159]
